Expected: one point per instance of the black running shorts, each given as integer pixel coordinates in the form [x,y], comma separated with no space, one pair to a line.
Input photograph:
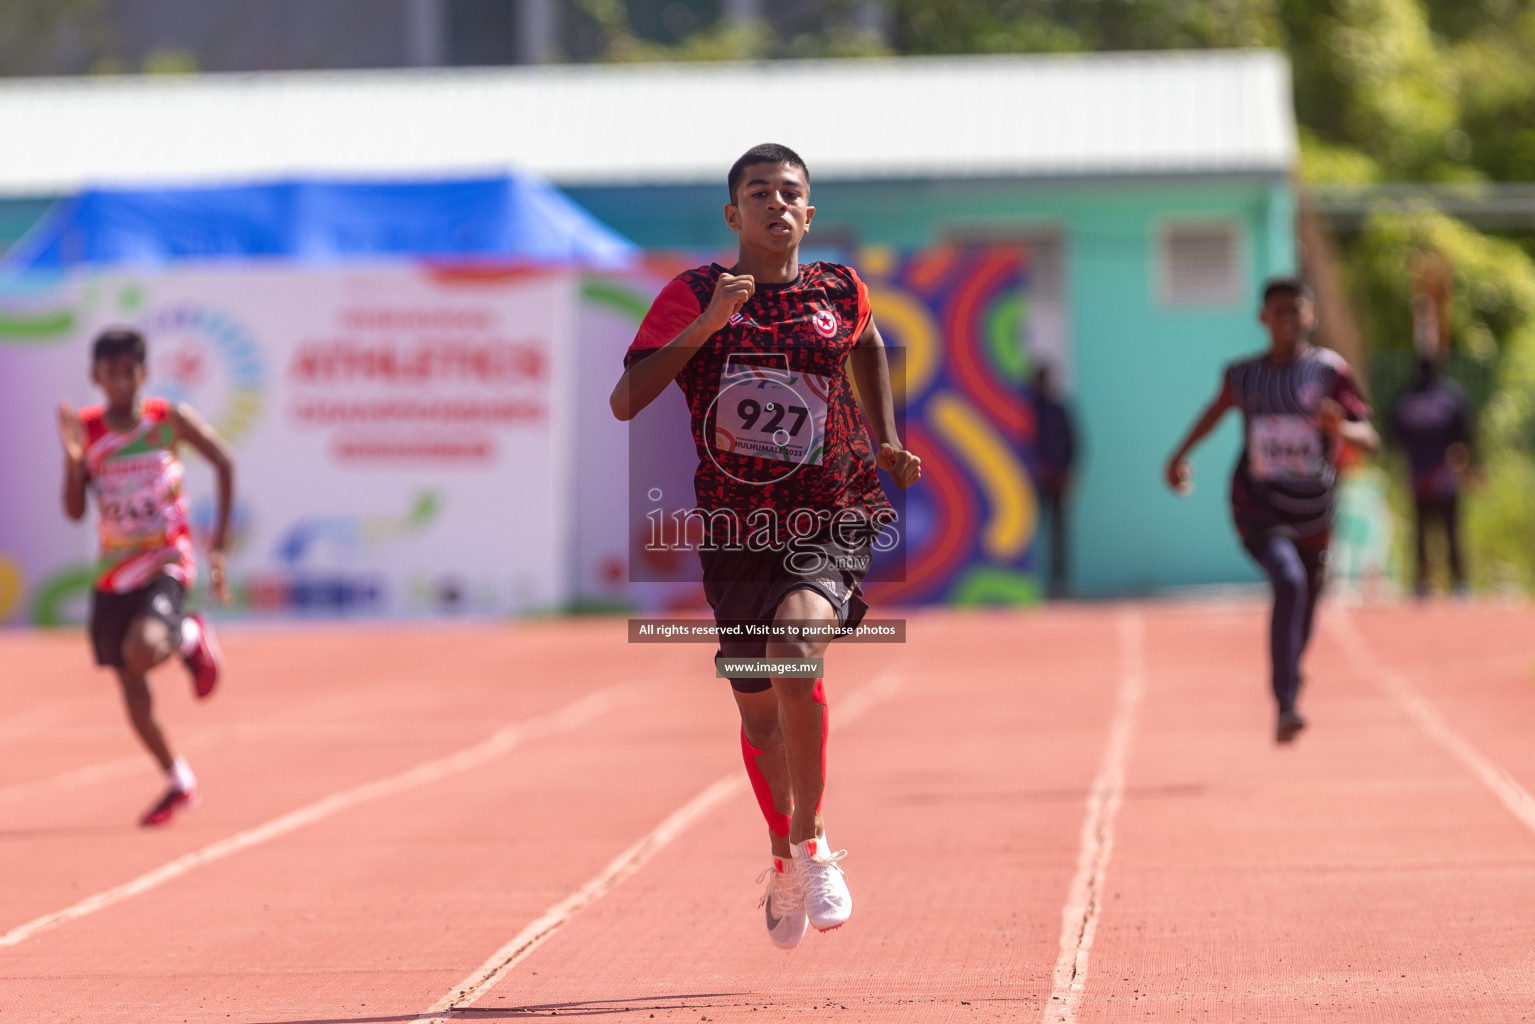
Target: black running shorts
[748,587]
[162,598]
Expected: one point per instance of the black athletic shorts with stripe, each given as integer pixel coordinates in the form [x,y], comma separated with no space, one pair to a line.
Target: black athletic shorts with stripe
[748,587]
[111,614]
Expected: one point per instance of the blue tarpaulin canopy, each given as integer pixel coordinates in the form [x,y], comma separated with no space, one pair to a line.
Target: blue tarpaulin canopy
[515,216]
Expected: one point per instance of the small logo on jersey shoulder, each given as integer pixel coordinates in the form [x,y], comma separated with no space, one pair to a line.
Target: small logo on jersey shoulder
[825,323]
[1308,394]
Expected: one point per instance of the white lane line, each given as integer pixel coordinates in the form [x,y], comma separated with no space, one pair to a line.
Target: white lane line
[1427,718]
[517,949]
[82,776]
[498,743]
[30,722]
[103,771]
[1084,900]
[556,917]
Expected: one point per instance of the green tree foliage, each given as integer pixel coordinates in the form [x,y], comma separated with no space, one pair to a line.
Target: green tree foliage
[1385,90]
[36,35]
[1405,90]
[1018,26]
[1496,88]
[1368,75]
[1492,315]
[40,37]
[613,22]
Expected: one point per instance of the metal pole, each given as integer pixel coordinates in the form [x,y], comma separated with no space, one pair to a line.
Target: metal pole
[872,16]
[537,31]
[423,33]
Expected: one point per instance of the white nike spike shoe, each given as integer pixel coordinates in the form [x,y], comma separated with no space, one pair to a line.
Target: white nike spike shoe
[784,903]
[828,904]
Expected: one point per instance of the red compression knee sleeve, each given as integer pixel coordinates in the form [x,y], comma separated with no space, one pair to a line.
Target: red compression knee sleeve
[778,823]
[819,694]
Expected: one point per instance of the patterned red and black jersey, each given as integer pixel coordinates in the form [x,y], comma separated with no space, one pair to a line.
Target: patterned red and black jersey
[775,423]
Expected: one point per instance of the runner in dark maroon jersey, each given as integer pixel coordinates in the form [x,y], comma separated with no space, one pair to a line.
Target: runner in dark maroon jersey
[1299,406]
[786,487]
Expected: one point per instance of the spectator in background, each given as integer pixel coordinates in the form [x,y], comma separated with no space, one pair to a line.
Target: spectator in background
[1055,451]
[1432,422]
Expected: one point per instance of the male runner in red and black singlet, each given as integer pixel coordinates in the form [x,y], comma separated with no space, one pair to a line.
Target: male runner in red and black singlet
[125,451]
[786,485]
[1299,405]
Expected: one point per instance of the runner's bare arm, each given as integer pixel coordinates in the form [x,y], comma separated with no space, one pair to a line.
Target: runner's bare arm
[644,379]
[191,428]
[1179,473]
[75,474]
[1359,433]
[871,372]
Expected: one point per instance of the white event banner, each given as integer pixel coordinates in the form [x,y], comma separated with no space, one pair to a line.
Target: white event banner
[402,434]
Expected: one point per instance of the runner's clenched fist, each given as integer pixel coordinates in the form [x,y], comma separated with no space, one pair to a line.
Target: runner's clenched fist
[731,292]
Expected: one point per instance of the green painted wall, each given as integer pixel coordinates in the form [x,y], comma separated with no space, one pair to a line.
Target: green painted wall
[1143,370]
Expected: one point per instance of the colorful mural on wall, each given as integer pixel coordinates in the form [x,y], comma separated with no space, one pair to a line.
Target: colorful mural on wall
[956,314]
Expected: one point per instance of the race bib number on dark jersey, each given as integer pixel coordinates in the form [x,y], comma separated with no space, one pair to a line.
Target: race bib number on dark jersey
[769,412]
[1286,447]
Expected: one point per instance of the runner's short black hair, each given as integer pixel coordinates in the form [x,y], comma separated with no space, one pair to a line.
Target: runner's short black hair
[1288,284]
[767,153]
[119,341]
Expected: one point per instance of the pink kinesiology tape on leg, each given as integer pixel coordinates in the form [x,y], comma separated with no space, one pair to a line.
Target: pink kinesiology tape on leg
[819,693]
[778,823]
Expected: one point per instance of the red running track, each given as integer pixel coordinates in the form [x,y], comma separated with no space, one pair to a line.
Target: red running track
[1065,814]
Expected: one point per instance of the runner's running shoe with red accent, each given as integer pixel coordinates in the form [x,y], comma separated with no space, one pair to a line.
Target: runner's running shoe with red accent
[828,903]
[206,662]
[784,903]
[167,807]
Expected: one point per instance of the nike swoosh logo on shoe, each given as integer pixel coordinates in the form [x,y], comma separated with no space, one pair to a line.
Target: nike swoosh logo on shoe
[772,922]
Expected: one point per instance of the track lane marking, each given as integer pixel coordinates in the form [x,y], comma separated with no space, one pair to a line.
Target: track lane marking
[297,722]
[1079,917]
[1428,719]
[28,723]
[83,776]
[535,933]
[500,742]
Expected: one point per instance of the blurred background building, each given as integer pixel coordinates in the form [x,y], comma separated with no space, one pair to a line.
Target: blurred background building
[1148,193]
[1151,194]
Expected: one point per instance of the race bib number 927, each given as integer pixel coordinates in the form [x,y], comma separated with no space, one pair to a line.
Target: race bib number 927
[770,412]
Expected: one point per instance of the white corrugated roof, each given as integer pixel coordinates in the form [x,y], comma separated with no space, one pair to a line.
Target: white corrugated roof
[1142,113]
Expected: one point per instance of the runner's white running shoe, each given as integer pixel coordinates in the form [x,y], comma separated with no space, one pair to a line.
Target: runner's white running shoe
[828,904]
[784,903]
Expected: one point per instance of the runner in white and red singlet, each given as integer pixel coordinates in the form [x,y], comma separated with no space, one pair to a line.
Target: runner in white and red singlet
[1300,405]
[786,481]
[125,452]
